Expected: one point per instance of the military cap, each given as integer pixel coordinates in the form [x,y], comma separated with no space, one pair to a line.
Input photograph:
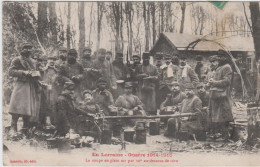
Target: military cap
[199,58]
[146,55]
[128,85]
[174,83]
[87,48]
[136,55]
[199,85]
[102,80]
[73,52]
[213,58]
[69,85]
[101,51]
[63,49]
[87,91]
[27,44]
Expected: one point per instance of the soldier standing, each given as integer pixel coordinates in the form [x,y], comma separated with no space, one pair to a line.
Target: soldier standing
[186,75]
[104,69]
[25,98]
[220,107]
[73,70]
[147,75]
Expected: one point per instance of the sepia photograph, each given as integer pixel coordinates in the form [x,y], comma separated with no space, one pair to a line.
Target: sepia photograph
[124,83]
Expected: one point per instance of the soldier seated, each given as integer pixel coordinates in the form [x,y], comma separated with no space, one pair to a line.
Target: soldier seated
[129,104]
[190,124]
[90,110]
[170,104]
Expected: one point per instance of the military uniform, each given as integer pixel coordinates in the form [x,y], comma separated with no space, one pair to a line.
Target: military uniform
[147,76]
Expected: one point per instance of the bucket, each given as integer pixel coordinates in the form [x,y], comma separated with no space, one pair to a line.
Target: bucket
[117,129]
[106,136]
[140,125]
[129,135]
[63,145]
[140,137]
[52,143]
[154,128]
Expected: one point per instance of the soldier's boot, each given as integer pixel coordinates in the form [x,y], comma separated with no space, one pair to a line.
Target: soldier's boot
[26,124]
[48,124]
[13,129]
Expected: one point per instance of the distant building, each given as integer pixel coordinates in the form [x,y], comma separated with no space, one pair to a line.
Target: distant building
[241,48]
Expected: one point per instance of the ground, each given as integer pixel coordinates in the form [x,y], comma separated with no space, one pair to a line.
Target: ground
[158,149]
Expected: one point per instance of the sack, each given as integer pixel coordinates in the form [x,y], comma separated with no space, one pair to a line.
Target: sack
[218,94]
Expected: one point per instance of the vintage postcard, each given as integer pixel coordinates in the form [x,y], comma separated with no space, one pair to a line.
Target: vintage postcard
[122,83]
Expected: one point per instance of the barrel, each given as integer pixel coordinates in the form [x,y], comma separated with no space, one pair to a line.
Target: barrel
[129,135]
[140,136]
[154,128]
[106,137]
[64,145]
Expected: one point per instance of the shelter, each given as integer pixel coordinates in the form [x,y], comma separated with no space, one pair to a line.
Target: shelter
[242,49]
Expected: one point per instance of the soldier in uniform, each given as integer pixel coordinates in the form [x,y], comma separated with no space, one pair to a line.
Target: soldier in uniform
[191,104]
[73,70]
[104,69]
[167,76]
[62,57]
[220,107]
[90,75]
[120,71]
[186,75]
[200,69]
[49,75]
[25,98]
[65,110]
[174,98]
[102,96]
[147,75]
[128,103]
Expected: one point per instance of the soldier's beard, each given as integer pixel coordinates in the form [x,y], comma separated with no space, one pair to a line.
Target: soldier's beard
[87,56]
[71,60]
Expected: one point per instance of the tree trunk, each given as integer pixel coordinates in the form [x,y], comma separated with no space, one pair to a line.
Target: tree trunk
[146,26]
[129,19]
[183,8]
[53,21]
[42,29]
[81,28]
[162,16]
[255,17]
[100,16]
[153,21]
[68,26]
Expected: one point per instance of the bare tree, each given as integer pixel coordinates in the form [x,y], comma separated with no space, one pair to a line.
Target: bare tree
[82,33]
[153,10]
[42,29]
[129,11]
[53,21]
[68,26]
[146,17]
[183,9]
[255,17]
[100,11]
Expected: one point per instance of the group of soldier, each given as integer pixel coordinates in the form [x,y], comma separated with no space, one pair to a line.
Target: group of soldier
[66,90]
